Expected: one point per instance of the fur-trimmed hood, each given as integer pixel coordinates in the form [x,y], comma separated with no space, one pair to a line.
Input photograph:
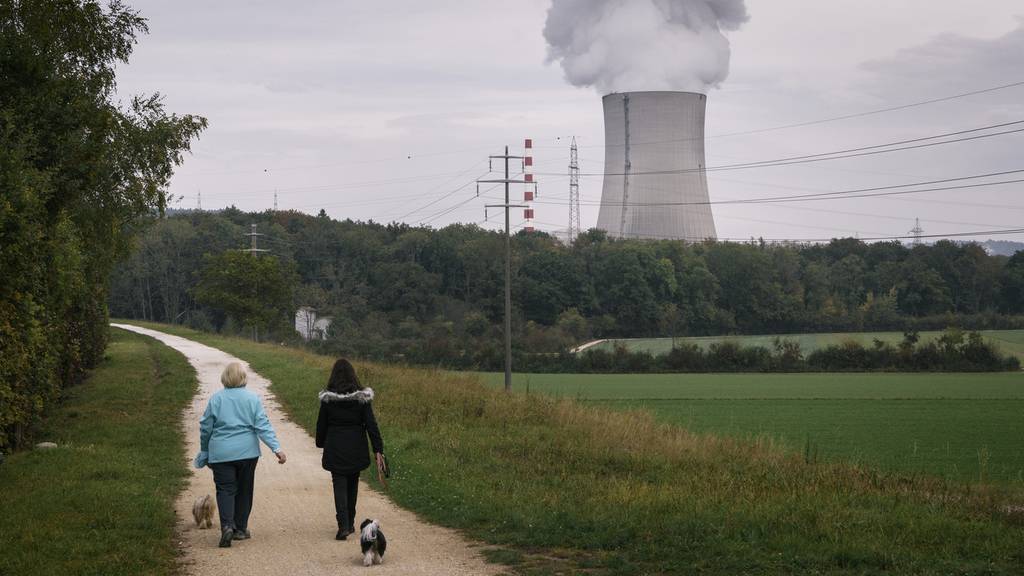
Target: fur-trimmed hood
[364,396]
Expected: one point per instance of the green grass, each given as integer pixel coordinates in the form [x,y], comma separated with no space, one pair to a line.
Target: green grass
[990,385]
[616,492]
[958,426]
[976,440]
[103,502]
[1009,341]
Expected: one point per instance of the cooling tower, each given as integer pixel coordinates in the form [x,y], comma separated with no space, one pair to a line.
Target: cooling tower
[654,184]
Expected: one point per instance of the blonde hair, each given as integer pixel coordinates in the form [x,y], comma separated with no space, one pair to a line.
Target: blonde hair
[233,376]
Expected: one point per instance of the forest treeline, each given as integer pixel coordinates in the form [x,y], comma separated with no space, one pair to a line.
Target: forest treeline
[80,174]
[436,296]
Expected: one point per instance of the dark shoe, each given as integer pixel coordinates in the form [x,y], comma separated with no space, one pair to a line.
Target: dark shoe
[242,535]
[342,534]
[225,537]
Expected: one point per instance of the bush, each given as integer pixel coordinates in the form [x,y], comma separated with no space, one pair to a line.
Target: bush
[953,351]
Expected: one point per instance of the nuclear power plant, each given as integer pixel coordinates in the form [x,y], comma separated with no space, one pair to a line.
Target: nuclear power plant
[655,186]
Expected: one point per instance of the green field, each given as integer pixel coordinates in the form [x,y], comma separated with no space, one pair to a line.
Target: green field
[1009,341]
[958,426]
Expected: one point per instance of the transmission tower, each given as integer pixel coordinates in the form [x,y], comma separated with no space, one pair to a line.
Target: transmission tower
[253,234]
[917,231]
[275,200]
[199,200]
[574,192]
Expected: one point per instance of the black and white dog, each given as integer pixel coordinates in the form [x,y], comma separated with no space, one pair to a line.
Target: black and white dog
[372,542]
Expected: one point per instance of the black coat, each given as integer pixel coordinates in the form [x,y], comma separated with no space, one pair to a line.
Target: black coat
[341,429]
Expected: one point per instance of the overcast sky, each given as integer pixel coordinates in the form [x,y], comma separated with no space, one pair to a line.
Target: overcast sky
[373,110]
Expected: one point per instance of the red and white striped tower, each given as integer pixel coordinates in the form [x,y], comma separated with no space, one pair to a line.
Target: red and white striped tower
[528,193]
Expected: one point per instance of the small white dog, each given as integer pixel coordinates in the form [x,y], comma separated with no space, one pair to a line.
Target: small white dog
[372,542]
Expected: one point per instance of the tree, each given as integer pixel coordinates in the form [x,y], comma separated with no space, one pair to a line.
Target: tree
[574,324]
[79,176]
[1012,281]
[254,291]
[847,276]
[921,291]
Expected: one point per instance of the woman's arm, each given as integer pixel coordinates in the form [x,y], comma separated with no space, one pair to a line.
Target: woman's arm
[264,430]
[321,427]
[206,426]
[372,429]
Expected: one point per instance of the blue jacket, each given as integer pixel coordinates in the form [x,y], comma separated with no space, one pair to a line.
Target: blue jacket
[232,426]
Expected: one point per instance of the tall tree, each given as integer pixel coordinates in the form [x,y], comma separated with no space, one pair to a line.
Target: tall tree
[256,292]
[79,174]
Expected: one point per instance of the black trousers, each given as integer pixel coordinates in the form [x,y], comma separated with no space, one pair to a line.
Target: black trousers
[234,482]
[346,489]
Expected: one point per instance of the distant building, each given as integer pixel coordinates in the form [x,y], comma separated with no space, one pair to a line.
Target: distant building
[309,325]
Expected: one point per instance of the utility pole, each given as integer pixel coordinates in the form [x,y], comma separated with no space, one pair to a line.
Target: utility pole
[574,192]
[508,258]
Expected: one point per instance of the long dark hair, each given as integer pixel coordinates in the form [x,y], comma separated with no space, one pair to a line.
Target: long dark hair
[343,378]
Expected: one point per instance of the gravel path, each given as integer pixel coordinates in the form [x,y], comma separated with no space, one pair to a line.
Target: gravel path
[292,520]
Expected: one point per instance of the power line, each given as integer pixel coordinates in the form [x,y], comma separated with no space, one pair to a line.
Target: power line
[888,147]
[342,186]
[723,135]
[884,216]
[837,118]
[892,190]
[410,156]
[915,201]
[870,112]
[451,209]
[436,200]
[834,155]
[463,173]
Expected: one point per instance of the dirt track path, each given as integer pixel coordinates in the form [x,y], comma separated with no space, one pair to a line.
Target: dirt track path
[292,520]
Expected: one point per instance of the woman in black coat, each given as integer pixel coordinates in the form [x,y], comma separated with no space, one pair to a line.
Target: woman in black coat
[345,420]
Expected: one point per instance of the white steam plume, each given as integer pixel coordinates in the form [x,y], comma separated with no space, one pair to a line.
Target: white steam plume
[630,45]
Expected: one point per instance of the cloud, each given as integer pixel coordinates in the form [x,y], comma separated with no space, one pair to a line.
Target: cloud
[948,64]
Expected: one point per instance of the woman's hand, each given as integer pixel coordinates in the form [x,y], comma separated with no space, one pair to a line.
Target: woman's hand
[380,461]
[281,457]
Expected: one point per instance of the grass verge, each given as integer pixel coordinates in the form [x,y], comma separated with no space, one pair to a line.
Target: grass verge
[103,501]
[619,493]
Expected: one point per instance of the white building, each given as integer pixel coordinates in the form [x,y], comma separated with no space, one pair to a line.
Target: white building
[309,325]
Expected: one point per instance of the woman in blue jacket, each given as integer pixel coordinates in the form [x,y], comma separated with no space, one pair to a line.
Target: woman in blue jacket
[229,433]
